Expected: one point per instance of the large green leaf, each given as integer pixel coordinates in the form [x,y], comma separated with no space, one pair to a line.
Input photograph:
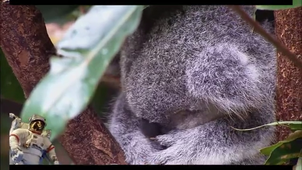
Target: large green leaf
[10,87]
[284,153]
[88,47]
[293,136]
[296,3]
[56,13]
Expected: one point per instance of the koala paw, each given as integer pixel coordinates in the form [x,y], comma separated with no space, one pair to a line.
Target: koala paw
[175,153]
[137,149]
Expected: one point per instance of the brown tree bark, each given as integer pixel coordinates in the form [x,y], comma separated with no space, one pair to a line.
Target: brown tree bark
[289,80]
[27,48]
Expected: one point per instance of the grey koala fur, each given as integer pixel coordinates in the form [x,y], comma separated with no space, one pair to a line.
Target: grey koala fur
[197,71]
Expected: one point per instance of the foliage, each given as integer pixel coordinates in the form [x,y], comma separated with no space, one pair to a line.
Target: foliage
[57,13]
[285,150]
[100,99]
[87,48]
[10,87]
[296,3]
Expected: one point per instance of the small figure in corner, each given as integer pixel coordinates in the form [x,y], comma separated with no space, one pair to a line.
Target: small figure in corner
[29,142]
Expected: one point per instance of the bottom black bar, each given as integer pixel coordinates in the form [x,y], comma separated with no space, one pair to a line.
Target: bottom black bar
[158,167]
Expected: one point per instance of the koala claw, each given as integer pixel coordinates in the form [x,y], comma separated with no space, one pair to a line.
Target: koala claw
[165,140]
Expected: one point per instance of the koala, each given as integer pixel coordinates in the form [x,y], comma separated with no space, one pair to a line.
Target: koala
[191,73]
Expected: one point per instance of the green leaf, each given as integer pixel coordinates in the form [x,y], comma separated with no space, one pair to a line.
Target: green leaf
[10,87]
[268,150]
[292,137]
[296,3]
[56,13]
[78,11]
[284,153]
[88,47]
[294,124]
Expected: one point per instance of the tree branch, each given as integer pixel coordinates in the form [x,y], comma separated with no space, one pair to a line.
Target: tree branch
[89,142]
[289,74]
[27,48]
[257,27]
[289,77]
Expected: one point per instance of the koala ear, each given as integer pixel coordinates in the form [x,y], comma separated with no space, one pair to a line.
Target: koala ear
[225,77]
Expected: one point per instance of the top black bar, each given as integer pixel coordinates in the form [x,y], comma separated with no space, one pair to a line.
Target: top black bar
[146,2]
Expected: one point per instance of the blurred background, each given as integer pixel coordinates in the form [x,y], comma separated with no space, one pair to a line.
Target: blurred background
[58,19]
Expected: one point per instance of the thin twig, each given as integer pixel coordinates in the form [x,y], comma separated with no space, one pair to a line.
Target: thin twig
[257,28]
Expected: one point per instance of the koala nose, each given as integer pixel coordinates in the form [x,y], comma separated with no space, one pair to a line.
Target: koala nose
[150,129]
